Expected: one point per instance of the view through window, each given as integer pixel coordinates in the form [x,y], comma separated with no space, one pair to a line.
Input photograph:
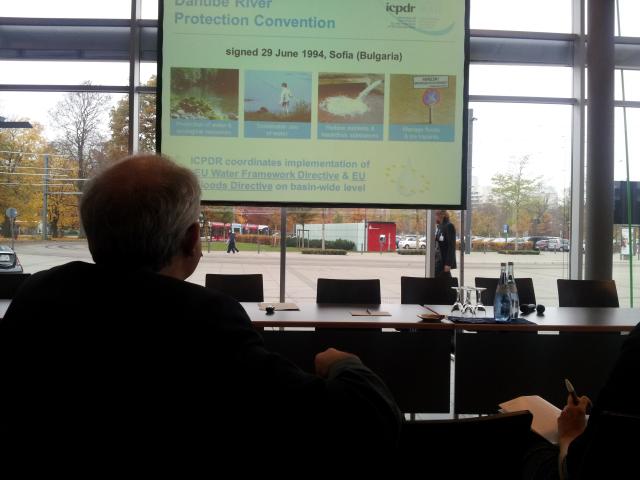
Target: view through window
[520,177]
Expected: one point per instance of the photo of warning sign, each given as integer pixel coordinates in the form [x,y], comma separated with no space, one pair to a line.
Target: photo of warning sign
[431,96]
[422,108]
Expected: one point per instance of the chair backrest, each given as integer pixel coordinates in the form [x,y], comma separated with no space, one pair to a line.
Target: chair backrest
[427,290]
[10,282]
[526,293]
[332,290]
[242,287]
[587,293]
[479,447]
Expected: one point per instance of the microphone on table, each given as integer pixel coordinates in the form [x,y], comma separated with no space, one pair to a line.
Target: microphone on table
[527,308]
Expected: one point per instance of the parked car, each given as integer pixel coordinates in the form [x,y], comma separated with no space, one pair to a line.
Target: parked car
[9,262]
[553,244]
[410,241]
[422,243]
[536,238]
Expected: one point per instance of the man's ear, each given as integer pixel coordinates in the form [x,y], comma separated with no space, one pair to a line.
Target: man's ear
[191,238]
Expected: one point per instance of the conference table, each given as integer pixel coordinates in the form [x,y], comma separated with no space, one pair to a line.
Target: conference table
[492,362]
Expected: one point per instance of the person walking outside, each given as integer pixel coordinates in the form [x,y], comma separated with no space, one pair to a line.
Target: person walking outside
[231,243]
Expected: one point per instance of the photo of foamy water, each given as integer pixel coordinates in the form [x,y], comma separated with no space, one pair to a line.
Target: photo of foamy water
[356,98]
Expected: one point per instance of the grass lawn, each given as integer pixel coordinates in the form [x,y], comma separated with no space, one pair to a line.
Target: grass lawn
[247,247]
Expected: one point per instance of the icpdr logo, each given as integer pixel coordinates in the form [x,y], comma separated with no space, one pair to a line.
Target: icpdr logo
[398,9]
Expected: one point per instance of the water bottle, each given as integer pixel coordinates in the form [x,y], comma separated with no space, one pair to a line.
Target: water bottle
[513,292]
[502,301]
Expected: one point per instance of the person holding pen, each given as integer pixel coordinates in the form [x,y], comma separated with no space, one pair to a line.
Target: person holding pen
[582,452]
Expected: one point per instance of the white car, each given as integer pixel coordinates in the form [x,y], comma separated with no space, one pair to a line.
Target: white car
[409,241]
[422,243]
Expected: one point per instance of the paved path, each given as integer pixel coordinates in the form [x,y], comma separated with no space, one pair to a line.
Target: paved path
[303,270]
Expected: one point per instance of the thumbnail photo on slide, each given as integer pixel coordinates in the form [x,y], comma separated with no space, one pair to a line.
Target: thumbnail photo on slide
[204,101]
[277,104]
[353,99]
[422,108]
[277,96]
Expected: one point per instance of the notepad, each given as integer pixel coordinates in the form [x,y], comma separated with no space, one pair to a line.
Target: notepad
[279,306]
[369,313]
[545,414]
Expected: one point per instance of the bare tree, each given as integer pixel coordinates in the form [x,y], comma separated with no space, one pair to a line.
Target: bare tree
[80,118]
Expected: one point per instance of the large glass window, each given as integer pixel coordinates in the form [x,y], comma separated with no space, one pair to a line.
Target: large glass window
[629,13]
[626,260]
[521,171]
[520,80]
[71,138]
[67,9]
[538,16]
[149,9]
[521,167]
[631,85]
[64,73]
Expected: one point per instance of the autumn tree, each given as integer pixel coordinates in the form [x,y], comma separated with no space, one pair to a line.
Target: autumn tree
[21,173]
[515,191]
[487,220]
[62,200]
[118,145]
[542,207]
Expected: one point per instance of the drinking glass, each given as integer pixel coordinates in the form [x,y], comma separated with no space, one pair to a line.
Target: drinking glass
[479,305]
[458,306]
[468,306]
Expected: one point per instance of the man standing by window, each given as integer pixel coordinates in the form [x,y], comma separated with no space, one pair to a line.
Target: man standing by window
[445,244]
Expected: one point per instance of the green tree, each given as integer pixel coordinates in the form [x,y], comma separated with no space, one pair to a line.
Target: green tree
[301,216]
[515,192]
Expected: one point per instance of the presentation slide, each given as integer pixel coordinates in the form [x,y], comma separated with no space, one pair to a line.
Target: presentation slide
[351,102]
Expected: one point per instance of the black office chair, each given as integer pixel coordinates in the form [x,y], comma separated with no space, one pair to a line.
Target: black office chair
[526,293]
[10,282]
[587,293]
[427,290]
[243,288]
[332,290]
[466,447]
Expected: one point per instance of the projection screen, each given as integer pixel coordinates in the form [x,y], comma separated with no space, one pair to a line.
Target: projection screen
[317,102]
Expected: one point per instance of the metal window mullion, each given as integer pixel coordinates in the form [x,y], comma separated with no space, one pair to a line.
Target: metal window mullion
[64,88]
[134,76]
[577,143]
[523,99]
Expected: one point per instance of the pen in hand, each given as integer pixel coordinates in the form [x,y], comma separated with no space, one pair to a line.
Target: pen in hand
[572,391]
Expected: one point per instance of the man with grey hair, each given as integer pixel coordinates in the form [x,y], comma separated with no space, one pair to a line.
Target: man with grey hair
[125,352]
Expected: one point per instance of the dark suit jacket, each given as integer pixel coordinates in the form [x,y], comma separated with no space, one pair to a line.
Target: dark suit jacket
[109,357]
[447,245]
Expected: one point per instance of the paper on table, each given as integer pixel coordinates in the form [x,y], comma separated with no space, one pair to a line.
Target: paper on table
[545,414]
[369,313]
[279,306]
